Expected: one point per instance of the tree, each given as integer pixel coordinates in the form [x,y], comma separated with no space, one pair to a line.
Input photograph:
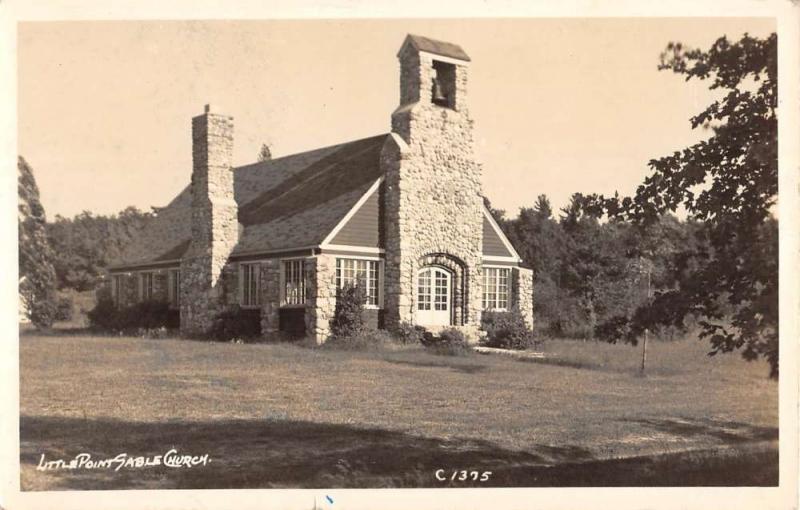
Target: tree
[542,207]
[37,276]
[86,244]
[728,183]
[593,263]
[264,154]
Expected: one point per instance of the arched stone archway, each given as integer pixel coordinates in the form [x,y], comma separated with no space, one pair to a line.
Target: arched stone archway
[459,283]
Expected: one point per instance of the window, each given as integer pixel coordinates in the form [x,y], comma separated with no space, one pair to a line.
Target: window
[250,286]
[495,288]
[116,289]
[145,286]
[365,273]
[174,288]
[294,282]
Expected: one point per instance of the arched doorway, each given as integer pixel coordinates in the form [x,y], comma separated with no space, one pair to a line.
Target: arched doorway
[434,296]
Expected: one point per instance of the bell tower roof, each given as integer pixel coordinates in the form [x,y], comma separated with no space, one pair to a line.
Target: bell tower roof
[441,48]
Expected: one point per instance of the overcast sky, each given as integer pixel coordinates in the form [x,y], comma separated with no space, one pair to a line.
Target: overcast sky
[560,105]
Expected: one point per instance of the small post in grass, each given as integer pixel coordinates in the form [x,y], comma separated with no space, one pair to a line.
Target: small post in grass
[644,352]
[647,330]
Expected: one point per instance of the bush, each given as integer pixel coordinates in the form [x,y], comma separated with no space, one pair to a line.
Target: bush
[449,342]
[364,340]
[147,315]
[348,316]
[407,333]
[507,330]
[236,323]
[104,316]
[64,308]
[42,310]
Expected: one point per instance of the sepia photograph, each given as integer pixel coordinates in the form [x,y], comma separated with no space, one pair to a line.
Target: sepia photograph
[399,253]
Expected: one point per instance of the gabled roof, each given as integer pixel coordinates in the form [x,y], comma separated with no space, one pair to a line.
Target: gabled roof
[442,48]
[285,203]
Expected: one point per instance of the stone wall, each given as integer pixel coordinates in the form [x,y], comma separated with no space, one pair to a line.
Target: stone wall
[433,200]
[215,228]
[270,298]
[522,292]
[321,278]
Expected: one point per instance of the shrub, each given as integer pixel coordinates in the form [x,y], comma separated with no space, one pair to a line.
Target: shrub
[348,316]
[104,316]
[42,308]
[507,330]
[236,323]
[449,342]
[147,315]
[407,333]
[64,308]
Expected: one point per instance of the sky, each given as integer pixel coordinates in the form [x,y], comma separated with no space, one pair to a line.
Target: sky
[560,105]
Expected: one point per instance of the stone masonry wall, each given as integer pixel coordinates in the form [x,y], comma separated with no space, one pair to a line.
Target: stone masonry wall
[321,277]
[433,198]
[270,298]
[522,289]
[215,227]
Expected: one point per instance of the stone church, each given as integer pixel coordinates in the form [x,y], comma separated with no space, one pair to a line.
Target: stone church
[400,214]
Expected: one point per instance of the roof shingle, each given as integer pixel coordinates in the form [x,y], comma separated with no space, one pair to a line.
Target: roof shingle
[442,48]
[284,203]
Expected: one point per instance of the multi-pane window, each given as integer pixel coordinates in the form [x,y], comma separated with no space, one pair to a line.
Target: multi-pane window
[294,282]
[250,286]
[145,286]
[364,273]
[116,289]
[174,287]
[424,291]
[440,291]
[433,289]
[495,288]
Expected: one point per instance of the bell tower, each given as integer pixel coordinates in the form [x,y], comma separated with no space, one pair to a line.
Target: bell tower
[433,202]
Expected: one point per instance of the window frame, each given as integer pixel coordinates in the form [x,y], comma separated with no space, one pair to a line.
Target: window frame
[150,277]
[497,291]
[174,288]
[303,281]
[116,288]
[253,270]
[379,277]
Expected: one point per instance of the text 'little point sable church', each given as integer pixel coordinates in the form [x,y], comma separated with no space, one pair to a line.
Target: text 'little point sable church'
[400,214]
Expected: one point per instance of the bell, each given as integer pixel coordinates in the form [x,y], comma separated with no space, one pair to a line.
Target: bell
[438,93]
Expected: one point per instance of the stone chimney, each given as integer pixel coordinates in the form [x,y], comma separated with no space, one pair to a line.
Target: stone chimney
[215,227]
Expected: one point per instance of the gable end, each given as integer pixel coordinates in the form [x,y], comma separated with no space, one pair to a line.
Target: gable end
[362,226]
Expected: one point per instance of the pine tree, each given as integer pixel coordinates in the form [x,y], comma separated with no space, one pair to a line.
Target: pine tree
[36,273]
[264,154]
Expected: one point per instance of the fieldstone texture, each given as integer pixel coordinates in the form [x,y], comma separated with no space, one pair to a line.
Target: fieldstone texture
[270,298]
[321,275]
[522,292]
[433,204]
[215,228]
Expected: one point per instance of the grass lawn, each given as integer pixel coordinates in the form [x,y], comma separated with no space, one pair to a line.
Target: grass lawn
[279,415]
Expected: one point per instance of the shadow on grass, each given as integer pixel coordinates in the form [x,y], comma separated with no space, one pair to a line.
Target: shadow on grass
[466,368]
[730,432]
[284,453]
[30,330]
[563,362]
